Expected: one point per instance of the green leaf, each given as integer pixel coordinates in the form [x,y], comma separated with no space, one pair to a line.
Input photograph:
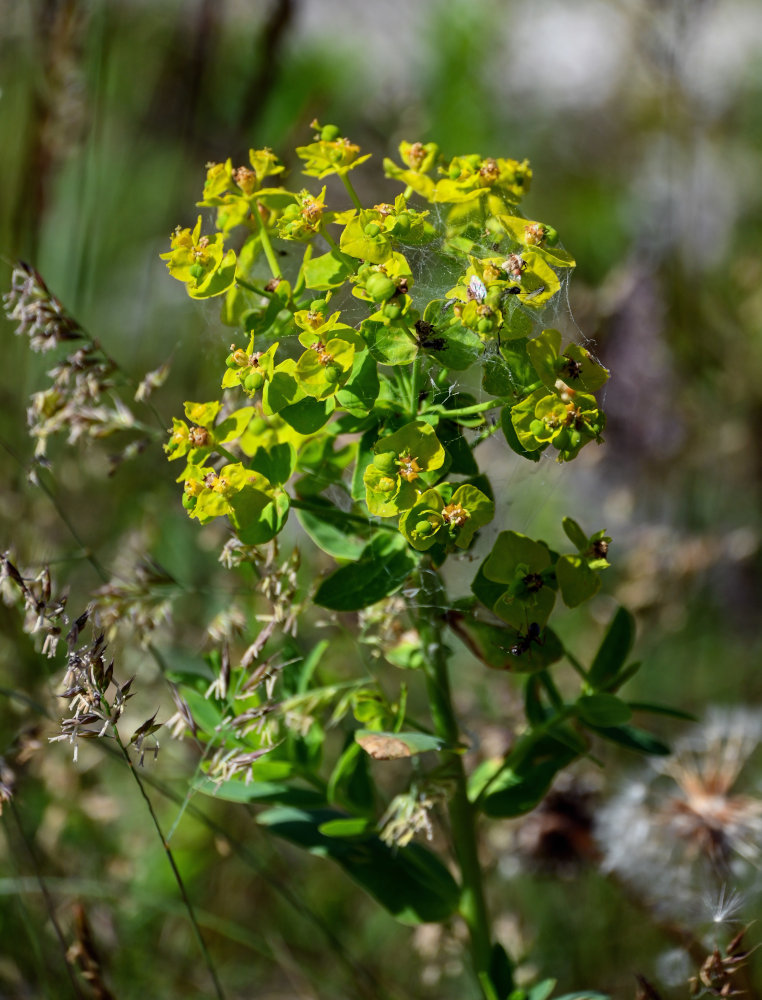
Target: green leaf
[409,882]
[602,710]
[276,463]
[576,581]
[613,651]
[633,738]
[330,531]
[330,270]
[392,746]
[539,283]
[584,995]
[521,372]
[533,707]
[417,439]
[460,350]
[234,425]
[463,462]
[535,610]
[384,565]
[350,784]
[500,971]
[234,790]
[496,377]
[218,282]
[355,242]
[510,435]
[504,648]
[529,772]
[486,591]
[673,713]
[541,990]
[206,714]
[282,389]
[257,516]
[512,550]
[543,352]
[389,344]
[308,415]
[203,414]
[348,828]
[620,679]
[575,534]
[361,389]
[517,324]
[365,457]
[489,991]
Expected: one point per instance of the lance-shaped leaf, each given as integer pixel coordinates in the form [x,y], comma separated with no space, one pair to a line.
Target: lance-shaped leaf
[381,570]
[409,882]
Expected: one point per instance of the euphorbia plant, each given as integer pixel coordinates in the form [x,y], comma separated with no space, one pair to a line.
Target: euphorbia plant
[342,403]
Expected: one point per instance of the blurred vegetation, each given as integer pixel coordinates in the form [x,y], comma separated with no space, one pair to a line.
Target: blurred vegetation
[643,123]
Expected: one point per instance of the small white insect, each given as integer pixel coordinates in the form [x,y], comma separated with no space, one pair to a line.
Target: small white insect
[476,289]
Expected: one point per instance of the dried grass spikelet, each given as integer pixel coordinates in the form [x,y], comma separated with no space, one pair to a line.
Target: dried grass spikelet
[96,699]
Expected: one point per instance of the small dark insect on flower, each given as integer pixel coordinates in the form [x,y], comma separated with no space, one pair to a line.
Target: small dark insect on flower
[425,339]
[533,582]
[571,369]
[524,642]
[600,548]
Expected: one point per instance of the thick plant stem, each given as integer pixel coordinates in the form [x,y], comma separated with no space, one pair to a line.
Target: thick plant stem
[463,814]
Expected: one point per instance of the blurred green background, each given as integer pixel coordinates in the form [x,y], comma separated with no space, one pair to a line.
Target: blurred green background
[643,123]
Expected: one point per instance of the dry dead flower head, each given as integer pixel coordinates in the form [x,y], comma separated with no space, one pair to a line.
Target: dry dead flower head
[39,314]
[45,613]
[677,833]
[144,602]
[410,813]
[96,699]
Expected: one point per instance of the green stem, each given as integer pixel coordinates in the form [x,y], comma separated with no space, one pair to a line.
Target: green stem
[415,388]
[431,603]
[300,278]
[467,411]
[536,733]
[253,288]
[552,691]
[576,664]
[267,246]
[485,434]
[222,450]
[329,239]
[342,515]
[175,870]
[351,191]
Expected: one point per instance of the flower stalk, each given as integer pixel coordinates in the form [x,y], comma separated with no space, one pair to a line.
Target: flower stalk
[430,606]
